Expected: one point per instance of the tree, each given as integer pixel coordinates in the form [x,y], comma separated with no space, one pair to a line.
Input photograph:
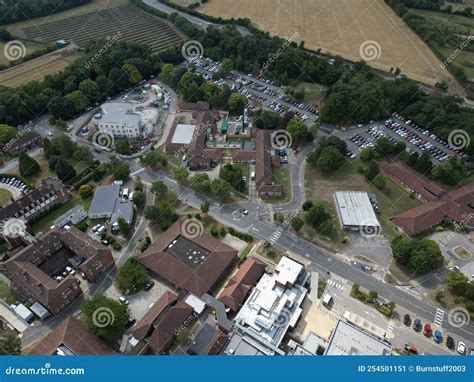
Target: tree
[131,277]
[7,133]
[134,75]
[63,145]
[28,165]
[457,282]
[48,149]
[298,130]
[181,174]
[233,175]
[124,227]
[85,191]
[368,154]
[237,103]
[138,198]
[90,89]
[122,146]
[205,207]
[318,217]
[120,170]
[105,317]
[78,100]
[330,159]
[372,170]
[159,188]
[83,154]
[10,344]
[297,223]
[220,189]
[380,181]
[154,160]
[64,170]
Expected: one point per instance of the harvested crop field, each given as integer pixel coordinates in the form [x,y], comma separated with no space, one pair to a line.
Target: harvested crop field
[122,23]
[343,27]
[37,68]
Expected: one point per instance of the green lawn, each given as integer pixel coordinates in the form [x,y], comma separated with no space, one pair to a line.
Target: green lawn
[5,196]
[30,47]
[313,93]
[6,293]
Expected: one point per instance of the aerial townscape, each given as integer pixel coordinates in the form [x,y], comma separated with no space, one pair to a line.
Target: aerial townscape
[217,177]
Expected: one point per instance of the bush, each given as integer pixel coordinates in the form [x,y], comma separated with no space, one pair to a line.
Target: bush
[82,226]
[116,246]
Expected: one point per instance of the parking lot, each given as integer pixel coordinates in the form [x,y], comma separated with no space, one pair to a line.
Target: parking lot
[258,90]
[397,129]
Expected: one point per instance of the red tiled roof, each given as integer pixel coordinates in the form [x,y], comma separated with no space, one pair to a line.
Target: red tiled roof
[198,280]
[241,283]
[74,335]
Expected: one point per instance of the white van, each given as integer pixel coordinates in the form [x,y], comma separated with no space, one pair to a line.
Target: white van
[327,300]
[252,175]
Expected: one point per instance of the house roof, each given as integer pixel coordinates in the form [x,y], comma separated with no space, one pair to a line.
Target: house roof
[412,179]
[240,284]
[166,327]
[143,327]
[172,265]
[104,199]
[76,337]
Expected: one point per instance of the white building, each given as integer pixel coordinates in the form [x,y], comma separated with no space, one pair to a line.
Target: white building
[272,308]
[356,212]
[122,120]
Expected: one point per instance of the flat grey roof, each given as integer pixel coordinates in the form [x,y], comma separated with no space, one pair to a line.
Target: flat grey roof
[74,215]
[183,134]
[104,199]
[355,209]
[114,112]
[123,209]
[348,339]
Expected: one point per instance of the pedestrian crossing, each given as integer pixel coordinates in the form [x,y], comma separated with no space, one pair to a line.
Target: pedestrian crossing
[378,241]
[275,236]
[336,284]
[410,292]
[439,316]
[390,326]
[135,173]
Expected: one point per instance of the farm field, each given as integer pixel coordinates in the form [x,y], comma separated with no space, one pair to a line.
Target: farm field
[30,48]
[122,23]
[37,68]
[342,28]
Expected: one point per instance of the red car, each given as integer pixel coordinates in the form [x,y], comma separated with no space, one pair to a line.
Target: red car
[427,331]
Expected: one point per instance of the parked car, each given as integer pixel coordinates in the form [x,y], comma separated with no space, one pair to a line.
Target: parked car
[411,348]
[427,331]
[123,300]
[417,325]
[149,285]
[450,342]
[461,348]
[438,336]
[131,321]
[407,320]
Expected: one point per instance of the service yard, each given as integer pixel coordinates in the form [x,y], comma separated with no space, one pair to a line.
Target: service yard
[342,28]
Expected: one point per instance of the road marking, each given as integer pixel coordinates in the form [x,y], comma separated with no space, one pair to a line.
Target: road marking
[439,316]
[410,292]
[135,173]
[336,285]
[390,326]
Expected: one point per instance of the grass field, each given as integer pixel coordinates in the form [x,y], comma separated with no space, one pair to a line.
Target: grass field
[313,93]
[5,196]
[393,200]
[30,46]
[341,28]
[37,68]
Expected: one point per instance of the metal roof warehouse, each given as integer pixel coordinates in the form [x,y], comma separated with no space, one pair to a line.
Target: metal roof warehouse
[355,210]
